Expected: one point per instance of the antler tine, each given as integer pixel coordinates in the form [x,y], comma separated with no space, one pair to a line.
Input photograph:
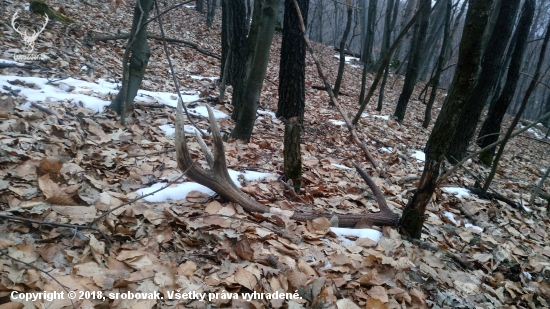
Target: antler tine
[207,154]
[182,151]
[217,143]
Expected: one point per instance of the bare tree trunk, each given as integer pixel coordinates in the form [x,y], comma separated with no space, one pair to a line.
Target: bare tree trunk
[199,5]
[367,55]
[465,77]
[342,62]
[253,82]
[234,33]
[442,59]
[488,79]
[136,58]
[417,45]
[532,85]
[492,124]
[211,13]
[388,27]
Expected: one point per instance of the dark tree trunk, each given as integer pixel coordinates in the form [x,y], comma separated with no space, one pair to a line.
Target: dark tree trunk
[437,24]
[465,77]
[136,58]
[491,126]
[403,47]
[368,59]
[292,68]
[392,7]
[259,45]
[532,85]
[199,5]
[291,153]
[342,62]
[417,44]
[234,32]
[211,13]
[442,59]
[488,79]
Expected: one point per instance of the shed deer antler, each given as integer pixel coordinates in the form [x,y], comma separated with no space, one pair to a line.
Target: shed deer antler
[217,178]
[28,39]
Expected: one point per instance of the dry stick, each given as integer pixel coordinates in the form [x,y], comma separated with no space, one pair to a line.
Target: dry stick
[158,38]
[539,186]
[383,63]
[139,198]
[176,83]
[2,253]
[459,164]
[72,226]
[330,93]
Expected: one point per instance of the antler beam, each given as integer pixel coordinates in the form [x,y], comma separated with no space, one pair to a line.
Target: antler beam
[217,179]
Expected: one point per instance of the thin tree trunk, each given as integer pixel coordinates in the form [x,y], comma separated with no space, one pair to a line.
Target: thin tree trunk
[442,59]
[532,85]
[417,45]
[291,153]
[492,124]
[254,81]
[388,27]
[383,62]
[368,60]
[465,77]
[342,62]
[488,79]
[211,13]
[136,58]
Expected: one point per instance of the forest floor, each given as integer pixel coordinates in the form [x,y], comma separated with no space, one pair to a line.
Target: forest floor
[181,244]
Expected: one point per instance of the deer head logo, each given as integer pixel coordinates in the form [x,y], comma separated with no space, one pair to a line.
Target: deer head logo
[28,39]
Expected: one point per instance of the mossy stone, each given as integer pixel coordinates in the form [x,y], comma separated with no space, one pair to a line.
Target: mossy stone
[40,7]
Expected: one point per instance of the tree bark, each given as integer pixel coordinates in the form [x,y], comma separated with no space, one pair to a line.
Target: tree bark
[234,32]
[532,85]
[291,153]
[368,58]
[417,45]
[261,45]
[292,69]
[211,13]
[492,124]
[488,79]
[342,62]
[465,77]
[442,59]
[136,58]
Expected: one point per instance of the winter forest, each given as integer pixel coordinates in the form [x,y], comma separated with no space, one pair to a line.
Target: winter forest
[274,154]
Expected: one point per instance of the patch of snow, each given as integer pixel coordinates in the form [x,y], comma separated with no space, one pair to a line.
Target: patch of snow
[457,191]
[347,58]
[381,117]
[451,217]
[272,114]
[343,167]
[359,233]
[419,155]
[527,275]
[84,68]
[527,209]
[180,191]
[212,78]
[27,8]
[337,122]
[386,149]
[189,6]
[475,227]
[170,130]
[25,105]
[202,111]
[87,93]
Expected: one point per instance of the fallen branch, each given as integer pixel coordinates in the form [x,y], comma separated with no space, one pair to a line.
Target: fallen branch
[496,196]
[71,226]
[158,38]
[4,65]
